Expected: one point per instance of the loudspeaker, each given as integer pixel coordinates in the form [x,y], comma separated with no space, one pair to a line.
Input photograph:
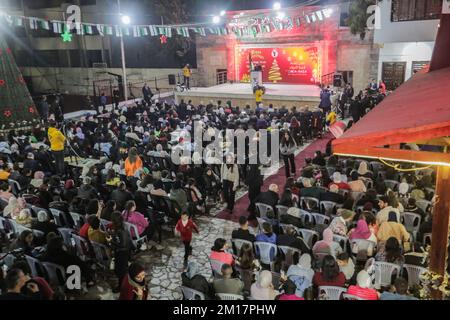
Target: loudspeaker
[172,80]
[337,80]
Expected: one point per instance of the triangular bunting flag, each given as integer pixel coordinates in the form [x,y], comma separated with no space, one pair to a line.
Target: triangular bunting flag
[136,32]
[101,29]
[88,29]
[109,30]
[143,31]
[9,19]
[18,21]
[33,23]
[153,31]
[44,24]
[57,27]
[118,31]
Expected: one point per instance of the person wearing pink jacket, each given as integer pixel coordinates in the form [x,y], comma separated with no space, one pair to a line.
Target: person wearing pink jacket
[132,216]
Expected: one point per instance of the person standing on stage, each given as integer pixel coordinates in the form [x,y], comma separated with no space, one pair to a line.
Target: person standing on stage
[147,93]
[187,72]
[325,100]
[57,140]
[259,92]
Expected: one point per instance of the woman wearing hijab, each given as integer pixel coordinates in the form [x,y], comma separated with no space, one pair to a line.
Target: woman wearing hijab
[134,286]
[302,267]
[363,170]
[362,289]
[327,245]
[15,205]
[391,252]
[392,228]
[263,289]
[79,133]
[38,179]
[192,278]
[362,231]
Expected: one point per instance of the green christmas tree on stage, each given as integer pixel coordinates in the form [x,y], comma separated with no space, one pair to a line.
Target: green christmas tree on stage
[274,72]
[17,109]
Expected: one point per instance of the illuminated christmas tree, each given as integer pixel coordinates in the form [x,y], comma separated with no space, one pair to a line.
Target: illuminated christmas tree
[274,72]
[17,110]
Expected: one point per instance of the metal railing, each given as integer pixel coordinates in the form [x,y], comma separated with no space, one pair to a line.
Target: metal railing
[222,77]
[327,79]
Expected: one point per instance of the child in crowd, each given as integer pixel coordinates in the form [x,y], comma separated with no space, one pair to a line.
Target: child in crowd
[184,228]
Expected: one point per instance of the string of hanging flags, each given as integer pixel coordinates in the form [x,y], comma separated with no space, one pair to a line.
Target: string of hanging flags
[259,26]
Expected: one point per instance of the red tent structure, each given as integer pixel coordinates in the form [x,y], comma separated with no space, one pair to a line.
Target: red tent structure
[417,112]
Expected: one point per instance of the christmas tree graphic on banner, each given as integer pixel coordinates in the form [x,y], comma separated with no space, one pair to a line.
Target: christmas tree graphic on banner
[17,110]
[274,72]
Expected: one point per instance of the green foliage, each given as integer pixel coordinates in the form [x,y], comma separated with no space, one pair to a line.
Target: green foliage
[358,16]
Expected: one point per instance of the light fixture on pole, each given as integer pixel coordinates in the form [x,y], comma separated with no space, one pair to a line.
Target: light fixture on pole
[216,20]
[281,15]
[126,21]
[222,13]
[276,6]
[327,12]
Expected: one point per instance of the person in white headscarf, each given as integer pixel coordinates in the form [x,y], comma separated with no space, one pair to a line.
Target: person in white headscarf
[263,289]
[362,289]
[302,268]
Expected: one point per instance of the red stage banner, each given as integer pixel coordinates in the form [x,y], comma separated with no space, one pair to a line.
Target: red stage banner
[298,65]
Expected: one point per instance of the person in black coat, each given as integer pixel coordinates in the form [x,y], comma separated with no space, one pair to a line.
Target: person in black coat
[254,181]
[243,233]
[121,195]
[147,93]
[331,196]
[122,245]
[356,110]
[269,197]
[192,279]
[290,239]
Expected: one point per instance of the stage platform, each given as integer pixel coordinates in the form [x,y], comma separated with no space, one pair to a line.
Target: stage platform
[240,94]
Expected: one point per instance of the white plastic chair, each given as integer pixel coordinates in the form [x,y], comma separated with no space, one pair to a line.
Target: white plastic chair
[56,273]
[229,296]
[216,267]
[328,207]
[102,255]
[310,236]
[423,204]
[6,227]
[364,245]
[134,234]
[59,217]
[238,243]
[346,296]
[191,294]
[384,272]
[17,228]
[289,254]
[78,219]
[331,292]
[426,239]
[412,222]
[342,240]
[414,273]
[82,247]
[264,210]
[310,204]
[264,249]
[281,211]
[321,219]
[35,265]
[66,234]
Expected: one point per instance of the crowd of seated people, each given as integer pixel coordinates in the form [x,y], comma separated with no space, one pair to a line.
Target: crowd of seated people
[337,234]
[121,204]
[123,201]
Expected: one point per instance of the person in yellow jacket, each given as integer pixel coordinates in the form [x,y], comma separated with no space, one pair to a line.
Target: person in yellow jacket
[57,141]
[187,72]
[259,92]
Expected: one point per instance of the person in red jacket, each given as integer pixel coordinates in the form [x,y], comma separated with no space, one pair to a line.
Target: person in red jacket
[134,285]
[184,228]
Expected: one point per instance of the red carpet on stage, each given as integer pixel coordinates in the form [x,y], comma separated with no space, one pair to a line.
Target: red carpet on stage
[279,178]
